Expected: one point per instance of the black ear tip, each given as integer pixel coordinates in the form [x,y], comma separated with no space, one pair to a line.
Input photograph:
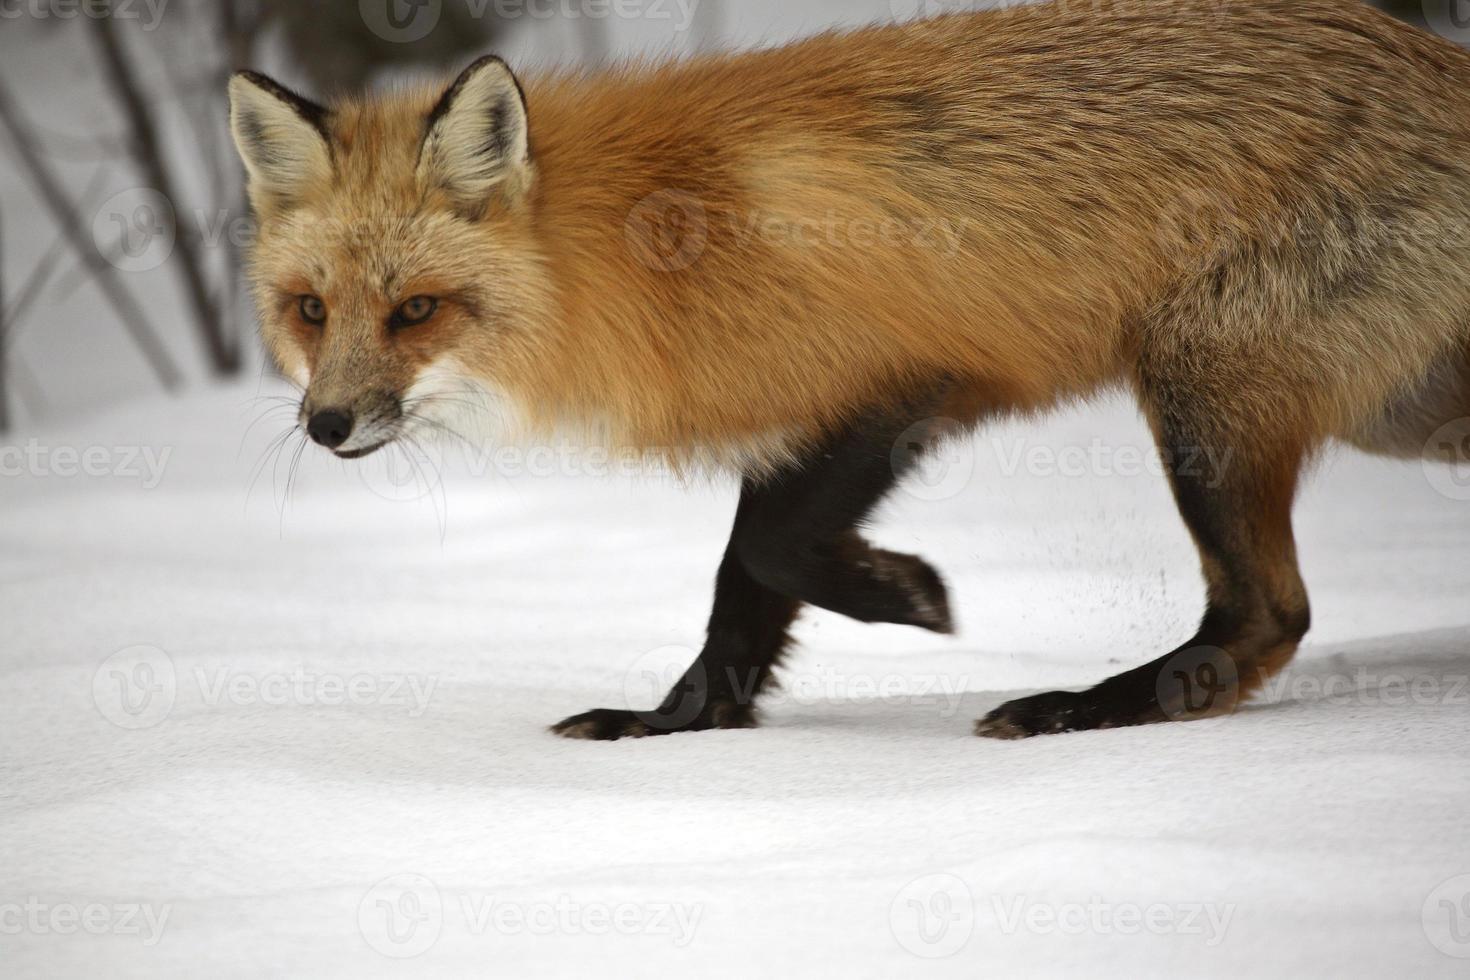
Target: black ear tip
[481,64]
[478,65]
[254,78]
[302,106]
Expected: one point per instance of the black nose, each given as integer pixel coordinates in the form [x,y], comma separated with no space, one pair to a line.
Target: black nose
[330,428]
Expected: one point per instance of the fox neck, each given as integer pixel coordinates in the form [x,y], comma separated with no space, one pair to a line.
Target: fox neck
[625,353]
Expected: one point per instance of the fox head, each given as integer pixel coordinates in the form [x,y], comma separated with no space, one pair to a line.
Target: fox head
[394,247]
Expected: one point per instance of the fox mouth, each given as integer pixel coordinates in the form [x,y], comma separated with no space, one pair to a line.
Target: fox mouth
[360,453]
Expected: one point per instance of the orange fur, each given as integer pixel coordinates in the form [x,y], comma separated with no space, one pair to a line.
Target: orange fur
[739,252]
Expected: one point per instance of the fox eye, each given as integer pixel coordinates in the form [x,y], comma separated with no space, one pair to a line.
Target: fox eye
[313,310]
[414,311]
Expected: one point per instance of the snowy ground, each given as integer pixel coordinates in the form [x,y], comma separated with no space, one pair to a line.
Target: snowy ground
[240,741]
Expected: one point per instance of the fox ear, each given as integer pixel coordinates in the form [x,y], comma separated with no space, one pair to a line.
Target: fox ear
[282,138]
[477,138]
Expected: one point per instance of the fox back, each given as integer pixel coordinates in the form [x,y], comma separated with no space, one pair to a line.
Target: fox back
[737,253]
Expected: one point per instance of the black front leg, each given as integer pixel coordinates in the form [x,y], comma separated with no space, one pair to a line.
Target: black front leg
[747,632]
[795,541]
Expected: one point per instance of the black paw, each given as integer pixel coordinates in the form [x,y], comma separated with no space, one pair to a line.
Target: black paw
[1065,711]
[920,586]
[611,724]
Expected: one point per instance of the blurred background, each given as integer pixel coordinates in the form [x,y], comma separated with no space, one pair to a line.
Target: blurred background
[121,200]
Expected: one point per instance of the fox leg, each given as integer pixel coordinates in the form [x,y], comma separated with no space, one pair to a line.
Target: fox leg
[1237,503]
[795,541]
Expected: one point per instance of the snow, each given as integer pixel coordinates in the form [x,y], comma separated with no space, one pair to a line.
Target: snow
[244,740]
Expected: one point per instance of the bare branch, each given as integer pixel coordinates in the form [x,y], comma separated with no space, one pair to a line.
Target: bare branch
[4,329]
[70,224]
[40,274]
[122,79]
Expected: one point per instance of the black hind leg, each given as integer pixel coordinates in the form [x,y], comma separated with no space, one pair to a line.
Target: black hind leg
[795,541]
[1237,502]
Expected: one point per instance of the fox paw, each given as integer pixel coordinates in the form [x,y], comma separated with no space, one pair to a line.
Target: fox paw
[611,724]
[921,585]
[1063,711]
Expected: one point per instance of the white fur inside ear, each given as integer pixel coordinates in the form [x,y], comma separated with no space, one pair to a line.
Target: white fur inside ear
[283,151]
[477,139]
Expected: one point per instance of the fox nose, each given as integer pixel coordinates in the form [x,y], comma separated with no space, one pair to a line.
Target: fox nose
[330,428]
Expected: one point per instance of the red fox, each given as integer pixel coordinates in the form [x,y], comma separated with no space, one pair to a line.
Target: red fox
[1253,215]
